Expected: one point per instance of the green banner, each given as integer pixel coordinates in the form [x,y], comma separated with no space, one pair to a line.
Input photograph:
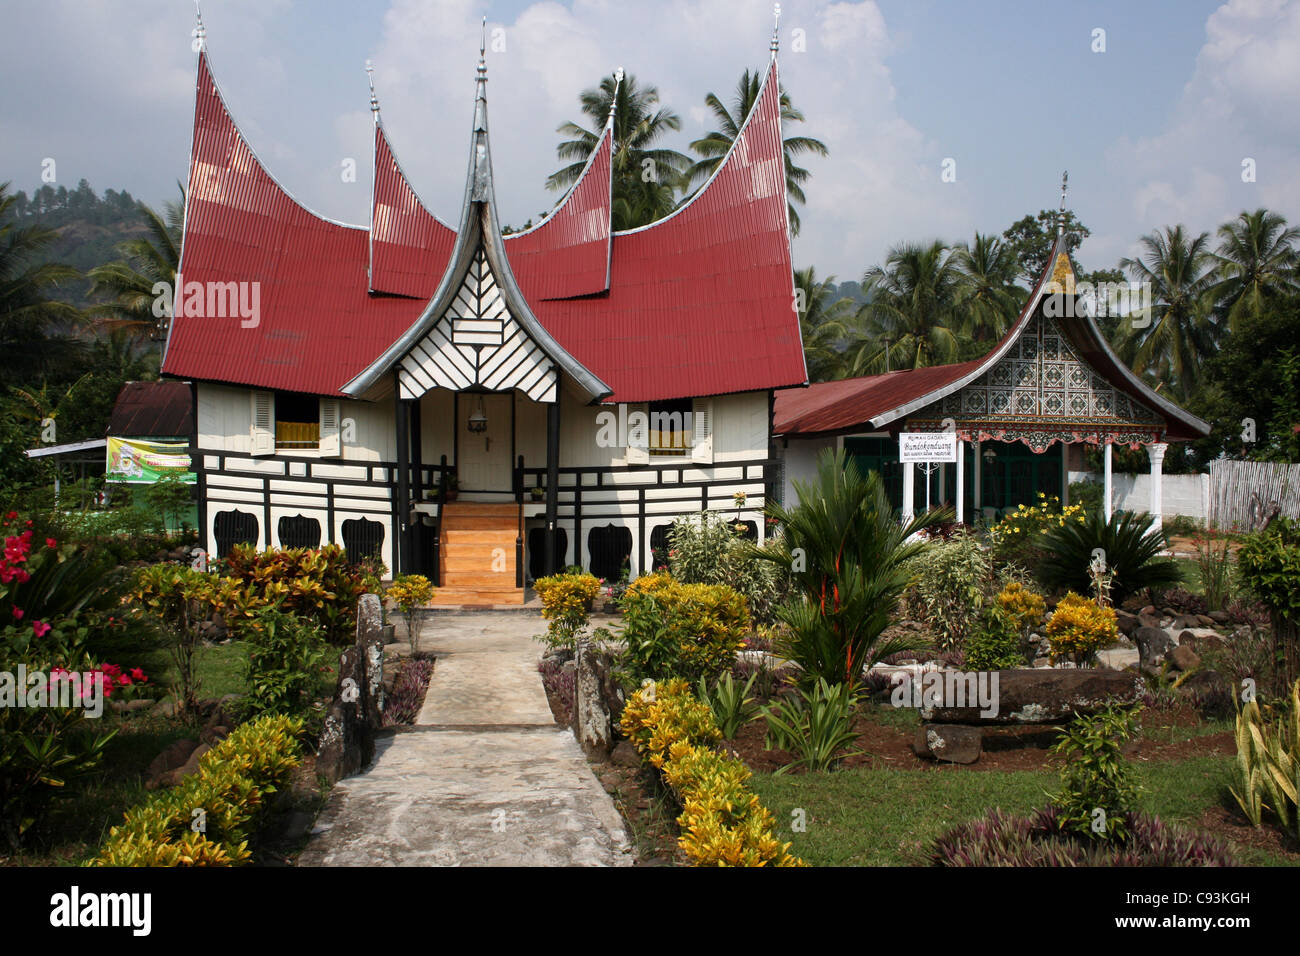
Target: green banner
[135,462]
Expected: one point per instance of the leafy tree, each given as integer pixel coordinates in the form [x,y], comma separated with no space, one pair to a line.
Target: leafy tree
[1170,349]
[715,145]
[1252,381]
[913,317]
[1032,237]
[823,318]
[34,327]
[988,295]
[1256,264]
[646,177]
[128,285]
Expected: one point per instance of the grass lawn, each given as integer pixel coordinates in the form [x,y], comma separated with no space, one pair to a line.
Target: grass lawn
[863,817]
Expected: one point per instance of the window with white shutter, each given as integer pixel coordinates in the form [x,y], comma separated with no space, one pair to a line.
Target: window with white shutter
[702,431]
[329,427]
[263,423]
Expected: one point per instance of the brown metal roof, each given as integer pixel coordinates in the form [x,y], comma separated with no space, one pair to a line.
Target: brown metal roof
[152,410]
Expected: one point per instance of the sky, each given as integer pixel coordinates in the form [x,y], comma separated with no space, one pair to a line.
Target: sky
[942,117]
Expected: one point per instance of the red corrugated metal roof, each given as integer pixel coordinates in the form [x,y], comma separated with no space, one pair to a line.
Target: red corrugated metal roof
[409,246]
[700,303]
[152,410]
[317,325]
[567,253]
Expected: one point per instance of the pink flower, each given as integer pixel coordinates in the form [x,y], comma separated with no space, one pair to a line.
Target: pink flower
[40,628]
[18,613]
[51,543]
[11,515]
[138,674]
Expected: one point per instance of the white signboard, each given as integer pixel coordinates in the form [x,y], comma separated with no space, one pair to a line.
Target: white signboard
[927,446]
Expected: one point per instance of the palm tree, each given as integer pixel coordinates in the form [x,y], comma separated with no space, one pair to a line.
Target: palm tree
[988,295]
[823,319]
[851,569]
[1170,345]
[34,329]
[646,177]
[714,146]
[129,284]
[1256,263]
[912,317]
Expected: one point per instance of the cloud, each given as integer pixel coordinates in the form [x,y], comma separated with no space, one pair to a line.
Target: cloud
[1241,102]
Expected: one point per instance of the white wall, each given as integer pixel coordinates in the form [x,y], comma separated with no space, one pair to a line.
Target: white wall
[1187,495]
[801,462]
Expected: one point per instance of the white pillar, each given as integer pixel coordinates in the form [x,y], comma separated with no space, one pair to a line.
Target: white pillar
[909,492]
[1156,452]
[1105,498]
[961,481]
[976,499]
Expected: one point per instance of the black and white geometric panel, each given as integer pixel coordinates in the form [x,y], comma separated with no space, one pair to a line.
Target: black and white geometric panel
[478,342]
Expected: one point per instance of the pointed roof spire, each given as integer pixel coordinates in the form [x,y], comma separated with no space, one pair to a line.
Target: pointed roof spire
[482,53]
[613,100]
[199,34]
[374,100]
[1060,218]
[776,28]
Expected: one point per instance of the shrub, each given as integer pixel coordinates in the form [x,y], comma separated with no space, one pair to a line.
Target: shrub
[318,583]
[731,703]
[282,669]
[1214,561]
[1017,537]
[1087,495]
[708,549]
[815,724]
[1131,554]
[1024,606]
[953,578]
[1248,653]
[212,816]
[1038,840]
[847,556]
[180,599]
[410,685]
[998,642]
[722,823]
[1079,628]
[566,601]
[671,629]
[1096,793]
[410,592]
[1266,774]
[1269,565]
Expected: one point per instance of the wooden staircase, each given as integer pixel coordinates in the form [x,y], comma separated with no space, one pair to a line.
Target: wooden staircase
[476,554]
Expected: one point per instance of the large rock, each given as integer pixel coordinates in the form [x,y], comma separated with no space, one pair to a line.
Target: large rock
[1183,658]
[1034,696]
[592,721]
[173,758]
[951,743]
[1153,644]
[347,741]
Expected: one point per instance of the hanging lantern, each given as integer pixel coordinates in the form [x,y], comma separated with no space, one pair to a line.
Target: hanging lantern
[478,421]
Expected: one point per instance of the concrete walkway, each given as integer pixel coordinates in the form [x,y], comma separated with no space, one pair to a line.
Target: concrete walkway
[484,778]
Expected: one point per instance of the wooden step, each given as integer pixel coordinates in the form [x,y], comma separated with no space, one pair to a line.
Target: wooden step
[479,558]
[476,597]
[470,537]
[481,509]
[491,580]
[480,523]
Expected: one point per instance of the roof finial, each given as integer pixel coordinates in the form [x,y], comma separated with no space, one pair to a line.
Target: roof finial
[482,52]
[374,100]
[1060,219]
[199,33]
[776,28]
[613,100]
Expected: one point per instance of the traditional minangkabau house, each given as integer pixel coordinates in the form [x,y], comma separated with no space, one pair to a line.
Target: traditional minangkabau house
[370,371]
[1022,413]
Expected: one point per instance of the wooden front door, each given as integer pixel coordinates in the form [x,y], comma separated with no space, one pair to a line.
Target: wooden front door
[483,458]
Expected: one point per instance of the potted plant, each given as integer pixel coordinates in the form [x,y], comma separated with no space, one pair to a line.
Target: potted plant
[450,488]
[538,493]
